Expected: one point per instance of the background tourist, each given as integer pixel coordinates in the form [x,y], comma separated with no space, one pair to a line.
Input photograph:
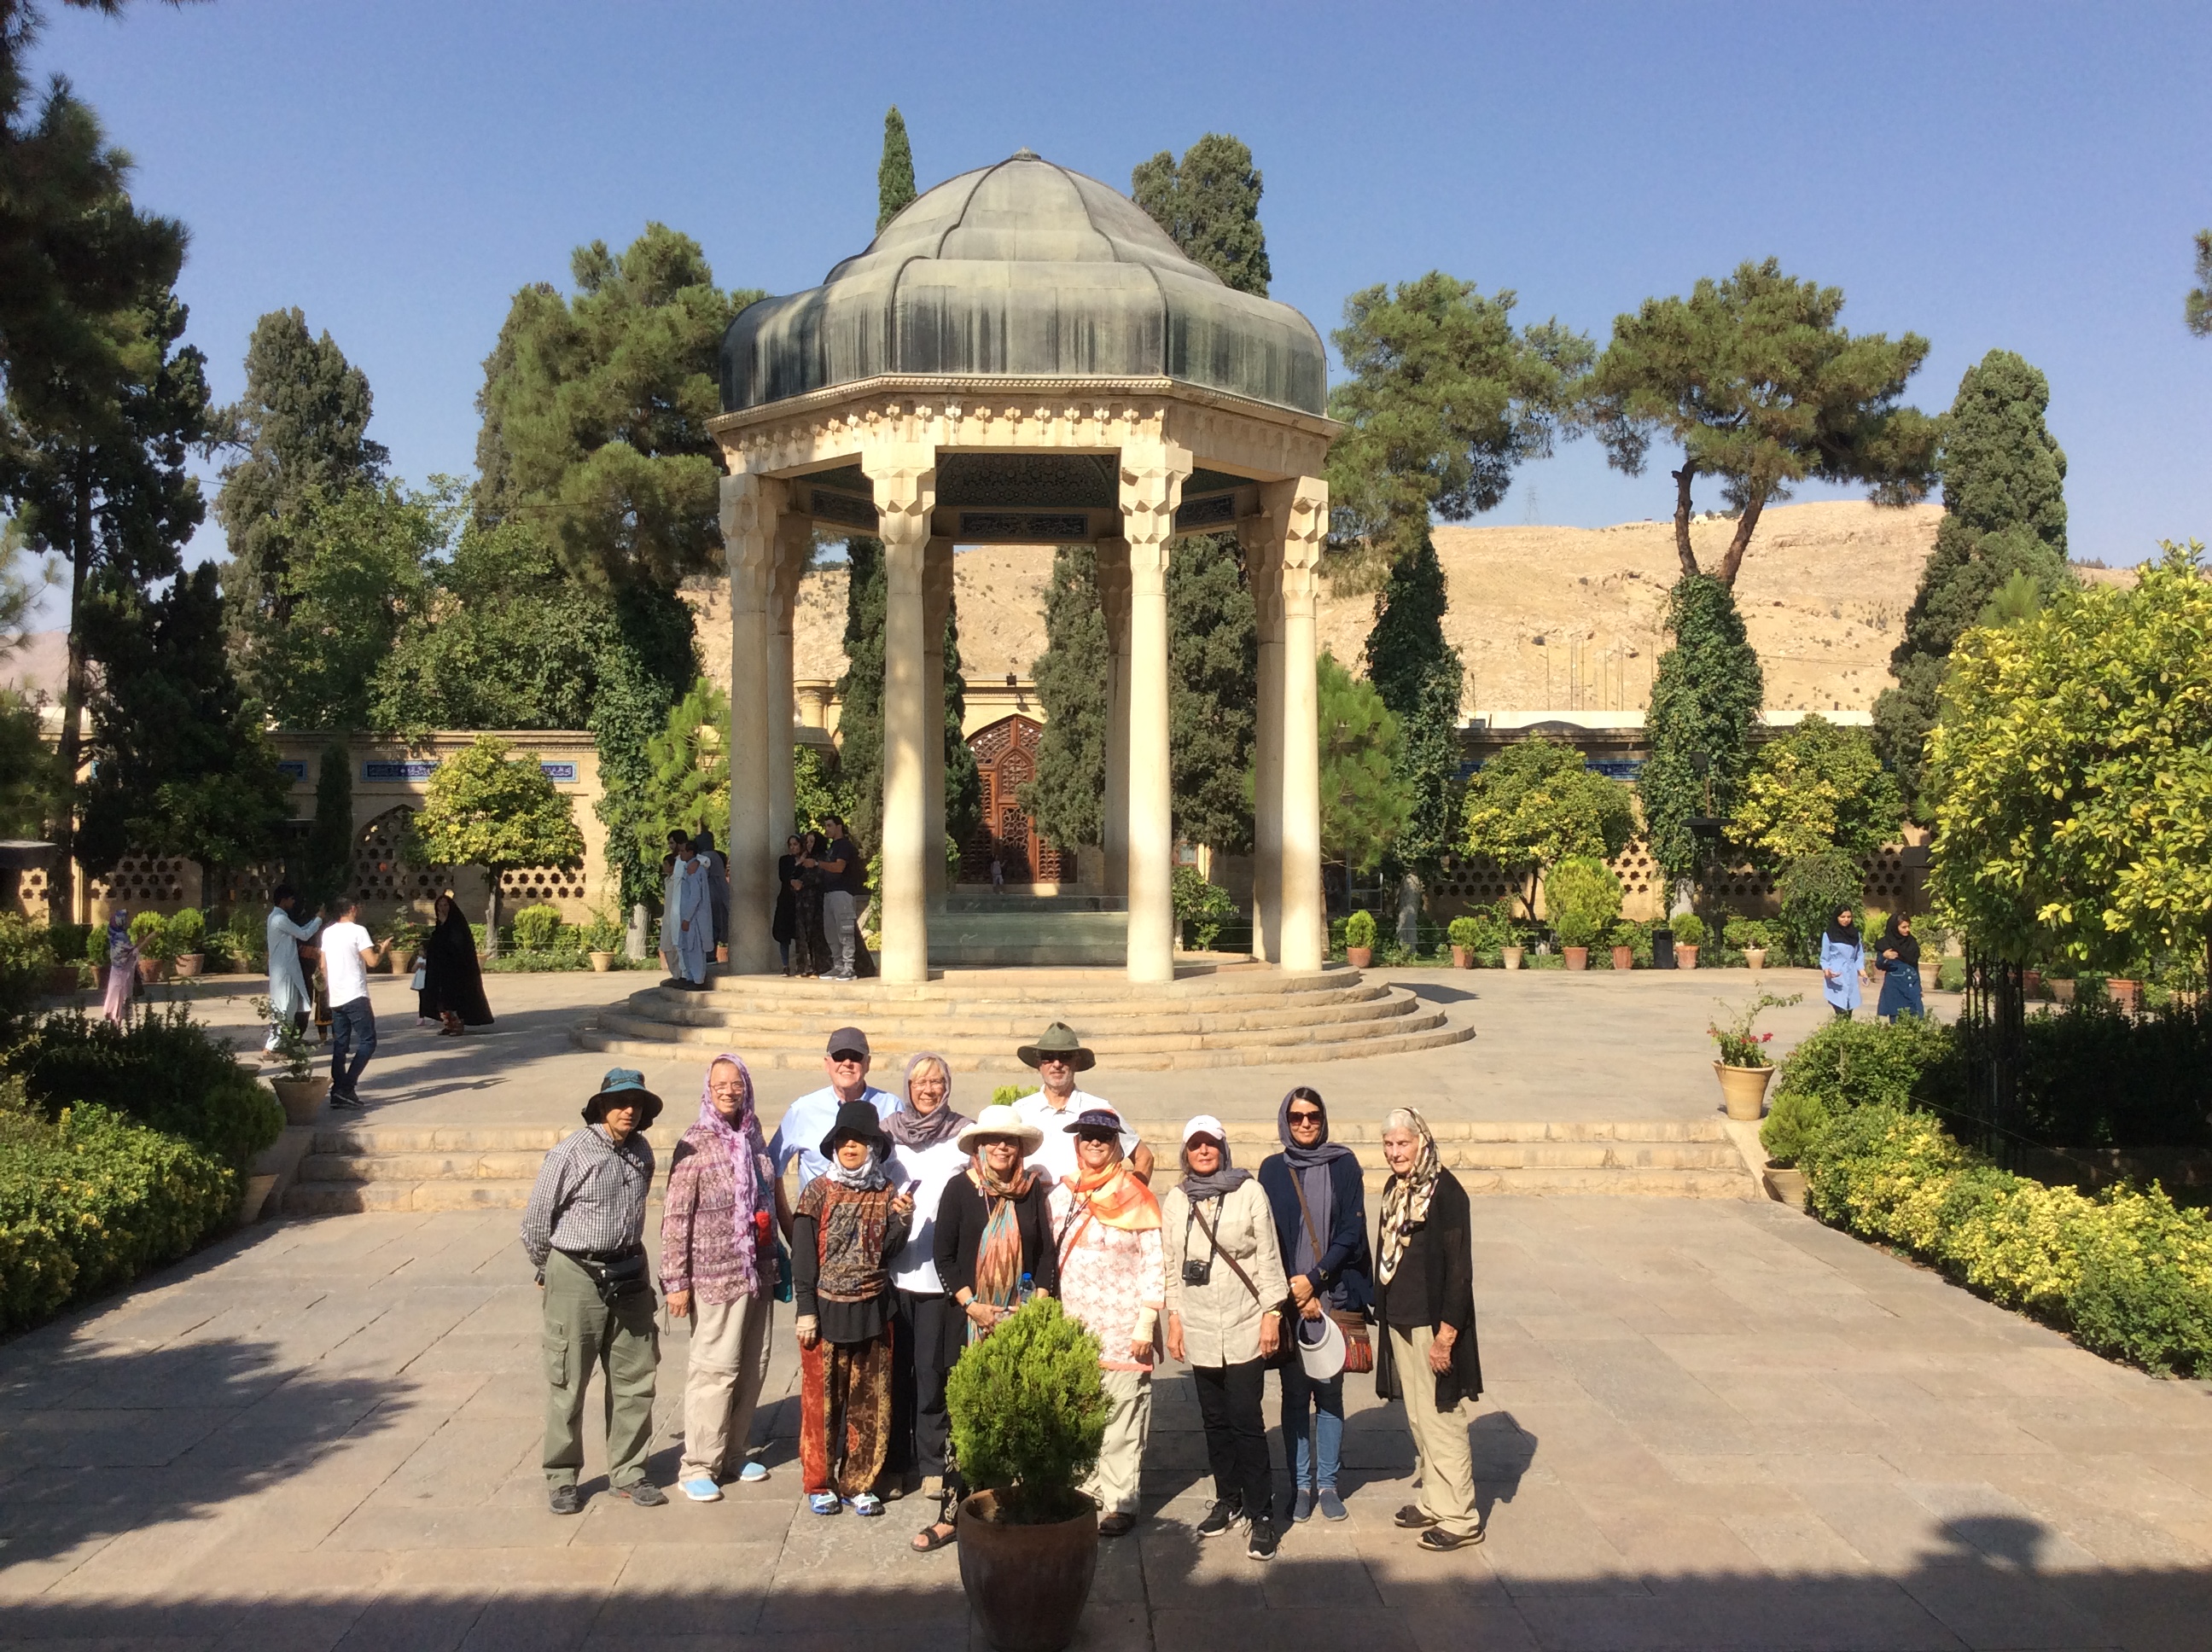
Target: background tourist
[687,918]
[844,881]
[1058,1055]
[718,889]
[452,980]
[583,1231]
[1225,1291]
[288,997]
[1897,955]
[1106,1227]
[809,1118]
[783,924]
[819,958]
[123,972]
[1427,1355]
[926,1154]
[1314,1188]
[718,1268]
[348,952]
[849,1223]
[1843,960]
[993,1233]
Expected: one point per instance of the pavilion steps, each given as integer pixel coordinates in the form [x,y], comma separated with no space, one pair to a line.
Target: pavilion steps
[402,1168]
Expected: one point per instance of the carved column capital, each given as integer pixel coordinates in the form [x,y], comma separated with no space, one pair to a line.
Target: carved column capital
[1153,475]
[1297,512]
[750,505]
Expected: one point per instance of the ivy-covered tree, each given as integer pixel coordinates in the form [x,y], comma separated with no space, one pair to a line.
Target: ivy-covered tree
[2004,518]
[1754,379]
[1420,677]
[1209,203]
[1445,396]
[1818,786]
[2070,773]
[1705,697]
[484,808]
[1364,797]
[1066,798]
[894,171]
[1535,803]
[690,761]
[1213,664]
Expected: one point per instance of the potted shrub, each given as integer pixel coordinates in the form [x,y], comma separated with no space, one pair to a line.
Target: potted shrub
[1744,1068]
[1747,936]
[1583,899]
[1027,1413]
[298,1086]
[149,933]
[1466,934]
[406,937]
[1360,940]
[2061,981]
[1689,936]
[184,931]
[2126,994]
[1624,945]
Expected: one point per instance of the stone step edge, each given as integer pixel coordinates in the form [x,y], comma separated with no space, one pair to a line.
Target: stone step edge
[590,1038]
[674,1010]
[1114,1047]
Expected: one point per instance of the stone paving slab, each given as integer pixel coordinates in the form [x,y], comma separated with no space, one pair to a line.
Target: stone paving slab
[1710,1426]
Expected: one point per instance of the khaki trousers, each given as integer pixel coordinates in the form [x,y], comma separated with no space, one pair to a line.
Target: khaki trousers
[1441,1455]
[581,1334]
[1122,1454]
[722,1383]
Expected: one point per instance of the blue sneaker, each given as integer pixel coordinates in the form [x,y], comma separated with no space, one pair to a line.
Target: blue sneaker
[701,1489]
[752,1473]
[823,1503]
[867,1504]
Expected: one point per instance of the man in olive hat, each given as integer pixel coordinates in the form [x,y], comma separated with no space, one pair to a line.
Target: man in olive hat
[1058,1055]
[583,1231]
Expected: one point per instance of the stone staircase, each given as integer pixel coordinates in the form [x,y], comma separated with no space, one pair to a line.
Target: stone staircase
[1212,1015]
[398,1168]
[997,931]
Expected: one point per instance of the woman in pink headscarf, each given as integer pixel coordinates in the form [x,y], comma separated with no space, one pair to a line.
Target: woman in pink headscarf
[718,1266]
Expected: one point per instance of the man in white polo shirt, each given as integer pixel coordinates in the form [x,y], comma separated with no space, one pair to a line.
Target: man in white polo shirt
[1058,1055]
[346,954]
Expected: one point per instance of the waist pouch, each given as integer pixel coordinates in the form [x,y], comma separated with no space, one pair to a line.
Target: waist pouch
[618,1278]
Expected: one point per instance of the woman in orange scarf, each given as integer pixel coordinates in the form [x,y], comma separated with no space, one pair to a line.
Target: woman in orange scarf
[1107,1224]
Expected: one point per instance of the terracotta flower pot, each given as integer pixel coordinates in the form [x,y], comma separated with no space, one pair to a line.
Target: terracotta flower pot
[1685,956]
[152,969]
[1624,957]
[1755,958]
[403,963]
[602,962]
[258,1189]
[190,964]
[302,1097]
[1462,958]
[1359,957]
[1511,956]
[2127,995]
[1743,1090]
[2062,988]
[2031,982]
[1577,957]
[722,953]
[1026,1583]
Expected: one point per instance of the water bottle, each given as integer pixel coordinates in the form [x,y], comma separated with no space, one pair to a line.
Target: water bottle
[1028,1290]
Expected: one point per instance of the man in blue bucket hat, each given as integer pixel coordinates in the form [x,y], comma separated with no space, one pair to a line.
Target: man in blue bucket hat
[584,1230]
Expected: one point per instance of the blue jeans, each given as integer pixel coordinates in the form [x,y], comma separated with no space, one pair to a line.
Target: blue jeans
[1322,1404]
[349,1022]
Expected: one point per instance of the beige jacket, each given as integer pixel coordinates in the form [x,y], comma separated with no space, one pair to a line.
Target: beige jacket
[1221,1318]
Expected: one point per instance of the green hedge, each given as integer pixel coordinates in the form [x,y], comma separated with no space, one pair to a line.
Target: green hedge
[2126,1273]
[92,1200]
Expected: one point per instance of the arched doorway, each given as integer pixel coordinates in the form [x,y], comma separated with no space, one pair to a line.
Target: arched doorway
[379,875]
[1007,759]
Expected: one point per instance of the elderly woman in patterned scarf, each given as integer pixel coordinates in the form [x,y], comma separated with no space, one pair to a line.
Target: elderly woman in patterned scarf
[1424,1302]
[718,1267]
[926,1155]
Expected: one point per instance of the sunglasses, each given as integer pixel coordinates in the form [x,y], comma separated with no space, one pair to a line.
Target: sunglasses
[847,1055]
[1305,1116]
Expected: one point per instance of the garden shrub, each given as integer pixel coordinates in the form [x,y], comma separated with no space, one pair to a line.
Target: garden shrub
[186,931]
[2096,1077]
[162,1070]
[1200,908]
[1689,929]
[1359,929]
[536,927]
[26,955]
[1029,1413]
[1582,897]
[1813,889]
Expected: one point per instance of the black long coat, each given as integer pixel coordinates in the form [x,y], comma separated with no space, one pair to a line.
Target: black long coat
[1444,1246]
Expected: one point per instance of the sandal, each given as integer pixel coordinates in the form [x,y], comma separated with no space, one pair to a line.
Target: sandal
[930,1539]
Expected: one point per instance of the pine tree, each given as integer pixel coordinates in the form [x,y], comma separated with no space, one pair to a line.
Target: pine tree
[860,689]
[1066,798]
[1209,205]
[1213,664]
[2004,502]
[1364,798]
[1420,677]
[691,760]
[895,172]
[1705,700]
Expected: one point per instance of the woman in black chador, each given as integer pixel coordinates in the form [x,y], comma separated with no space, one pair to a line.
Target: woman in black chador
[452,982]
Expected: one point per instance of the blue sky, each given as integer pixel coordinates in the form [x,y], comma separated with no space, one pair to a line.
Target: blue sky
[2023,176]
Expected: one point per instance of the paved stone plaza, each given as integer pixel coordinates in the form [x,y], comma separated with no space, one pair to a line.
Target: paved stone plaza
[1710,1424]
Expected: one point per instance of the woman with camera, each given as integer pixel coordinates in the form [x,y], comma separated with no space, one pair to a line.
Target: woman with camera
[1225,1294]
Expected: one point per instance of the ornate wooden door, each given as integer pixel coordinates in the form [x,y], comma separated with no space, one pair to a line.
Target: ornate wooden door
[1006,759]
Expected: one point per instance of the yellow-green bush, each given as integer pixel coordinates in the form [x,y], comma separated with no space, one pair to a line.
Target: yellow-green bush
[2128,1274]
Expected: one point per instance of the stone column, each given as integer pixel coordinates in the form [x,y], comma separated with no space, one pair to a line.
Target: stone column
[795,539]
[1113,561]
[750,506]
[1151,486]
[936,602]
[1299,513]
[905,481]
[1263,573]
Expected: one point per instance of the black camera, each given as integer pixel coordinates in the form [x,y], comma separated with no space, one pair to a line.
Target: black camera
[1196,1272]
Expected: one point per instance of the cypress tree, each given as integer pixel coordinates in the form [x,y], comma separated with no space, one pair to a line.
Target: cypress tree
[860,689]
[1420,677]
[325,865]
[963,785]
[2004,505]
[1213,664]
[1066,799]
[1704,702]
[1209,205]
[895,172]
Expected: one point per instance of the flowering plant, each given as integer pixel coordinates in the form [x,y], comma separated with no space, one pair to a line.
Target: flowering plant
[1740,1045]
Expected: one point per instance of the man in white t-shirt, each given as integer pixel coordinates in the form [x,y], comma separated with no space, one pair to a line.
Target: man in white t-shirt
[1058,1055]
[348,951]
